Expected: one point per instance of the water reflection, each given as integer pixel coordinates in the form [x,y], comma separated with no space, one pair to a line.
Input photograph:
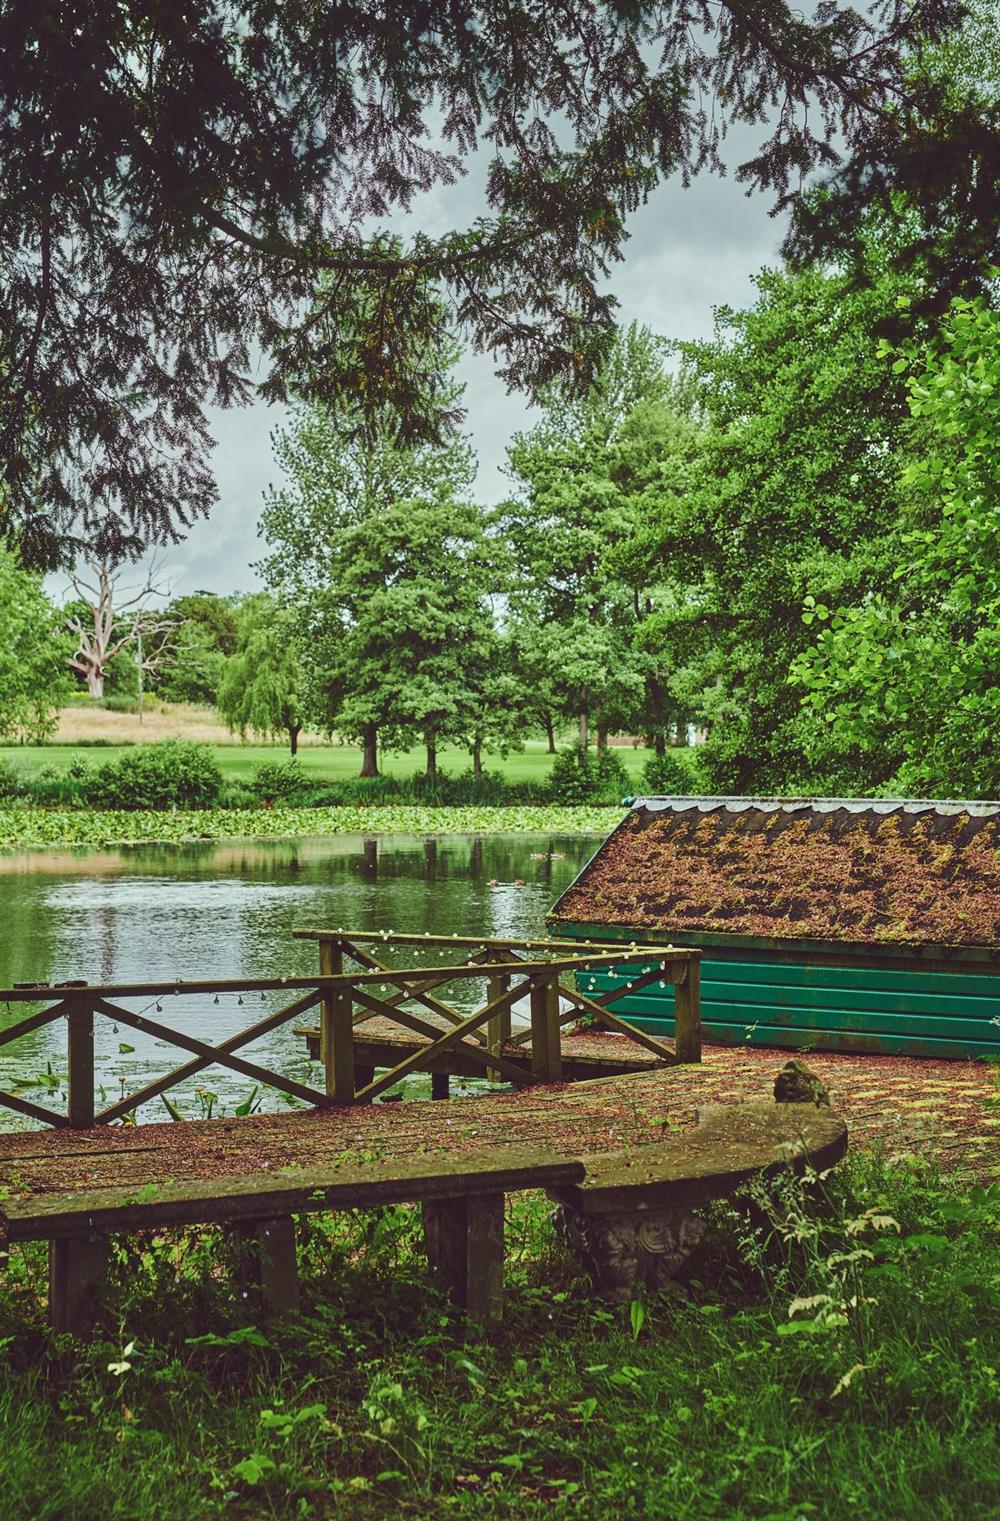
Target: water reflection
[227,910]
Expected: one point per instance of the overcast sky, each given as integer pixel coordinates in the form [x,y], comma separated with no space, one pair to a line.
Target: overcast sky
[690,251]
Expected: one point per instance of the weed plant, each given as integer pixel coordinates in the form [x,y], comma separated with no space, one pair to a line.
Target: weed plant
[831,1352]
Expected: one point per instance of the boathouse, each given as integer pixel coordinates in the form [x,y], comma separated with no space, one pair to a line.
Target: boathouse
[825,923]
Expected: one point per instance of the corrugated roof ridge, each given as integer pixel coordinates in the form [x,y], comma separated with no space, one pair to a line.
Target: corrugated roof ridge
[943,807]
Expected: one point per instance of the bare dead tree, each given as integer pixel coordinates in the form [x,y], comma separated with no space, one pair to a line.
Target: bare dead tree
[114,619]
[164,631]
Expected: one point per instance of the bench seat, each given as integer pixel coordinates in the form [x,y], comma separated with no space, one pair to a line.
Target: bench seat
[462,1196]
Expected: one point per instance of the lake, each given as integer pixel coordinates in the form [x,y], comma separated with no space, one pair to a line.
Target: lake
[227,910]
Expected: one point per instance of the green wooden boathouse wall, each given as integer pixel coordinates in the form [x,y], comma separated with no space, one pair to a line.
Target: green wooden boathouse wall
[917,999]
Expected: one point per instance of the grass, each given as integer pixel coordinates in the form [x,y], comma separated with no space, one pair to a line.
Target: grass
[322,762]
[25,828]
[838,1361]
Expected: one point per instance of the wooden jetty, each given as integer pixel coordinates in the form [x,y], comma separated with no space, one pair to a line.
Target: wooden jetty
[538,1051]
[88,1177]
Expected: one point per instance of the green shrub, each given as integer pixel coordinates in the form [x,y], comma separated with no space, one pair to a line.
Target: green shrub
[676,773]
[281,782]
[175,773]
[237,794]
[489,790]
[119,702]
[52,788]
[12,783]
[582,776]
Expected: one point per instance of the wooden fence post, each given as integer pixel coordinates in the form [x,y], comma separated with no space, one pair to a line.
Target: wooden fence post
[687,1012]
[546,1051]
[80,1044]
[336,1027]
[497,1028]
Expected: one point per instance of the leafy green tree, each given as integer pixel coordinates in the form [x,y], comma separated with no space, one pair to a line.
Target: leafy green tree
[402,636]
[215,616]
[909,675]
[792,491]
[172,194]
[201,631]
[33,652]
[192,669]
[652,466]
[570,611]
[403,639]
[263,686]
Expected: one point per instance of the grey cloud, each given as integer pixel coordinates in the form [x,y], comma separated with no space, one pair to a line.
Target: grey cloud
[689,251]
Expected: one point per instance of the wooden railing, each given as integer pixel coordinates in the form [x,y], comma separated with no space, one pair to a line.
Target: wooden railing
[514,970]
[484,1035]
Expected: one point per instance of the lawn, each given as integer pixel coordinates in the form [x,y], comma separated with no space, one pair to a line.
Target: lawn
[328,762]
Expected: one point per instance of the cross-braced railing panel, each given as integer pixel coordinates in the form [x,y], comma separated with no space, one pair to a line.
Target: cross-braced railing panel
[208,1055]
[513,971]
[552,1003]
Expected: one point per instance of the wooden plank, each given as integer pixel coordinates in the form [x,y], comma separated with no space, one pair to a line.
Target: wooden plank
[348,1186]
[336,1044]
[188,1069]
[440,1085]
[598,1008]
[498,1029]
[33,1111]
[546,1054]
[484,943]
[275,984]
[390,1010]
[266,1268]
[464,1242]
[687,1015]
[735,1143]
[78,1277]
[383,1049]
[417,994]
[80,1085]
[33,1022]
[454,1037]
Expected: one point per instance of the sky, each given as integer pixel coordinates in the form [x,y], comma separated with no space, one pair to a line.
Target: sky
[690,251]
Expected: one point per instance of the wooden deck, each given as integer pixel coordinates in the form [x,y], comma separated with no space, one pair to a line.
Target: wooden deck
[903,1105]
[378,1043]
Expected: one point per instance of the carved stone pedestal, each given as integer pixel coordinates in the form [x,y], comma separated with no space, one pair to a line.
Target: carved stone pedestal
[630,1250]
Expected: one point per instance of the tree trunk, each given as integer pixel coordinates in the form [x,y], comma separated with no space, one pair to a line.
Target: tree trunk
[430,740]
[477,760]
[293,738]
[584,738]
[550,733]
[369,760]
[660,744]
[602,739]
[95,683]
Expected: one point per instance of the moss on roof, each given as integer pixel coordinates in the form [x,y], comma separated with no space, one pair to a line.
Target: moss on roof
[897,878]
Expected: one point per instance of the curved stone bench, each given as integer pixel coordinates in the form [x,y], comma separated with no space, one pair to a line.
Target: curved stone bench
[631,1217]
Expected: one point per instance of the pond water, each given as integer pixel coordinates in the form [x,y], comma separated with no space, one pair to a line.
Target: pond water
[227,910]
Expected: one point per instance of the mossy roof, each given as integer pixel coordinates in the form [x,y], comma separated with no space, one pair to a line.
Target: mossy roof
[828,870]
